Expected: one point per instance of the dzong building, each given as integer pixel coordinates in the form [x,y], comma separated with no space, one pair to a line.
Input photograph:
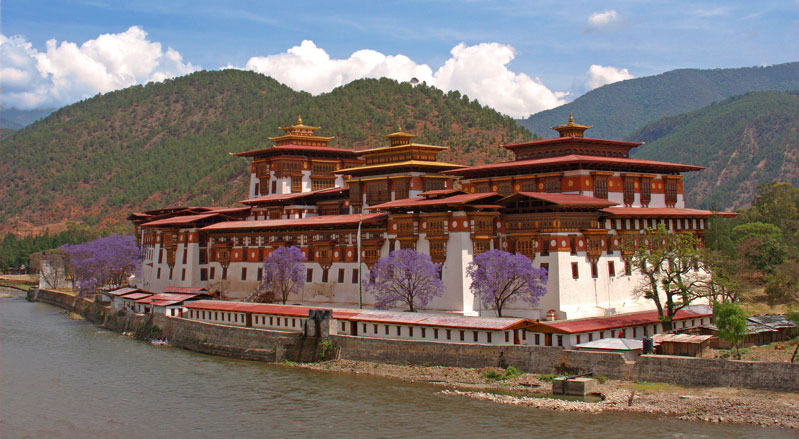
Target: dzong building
[574,205]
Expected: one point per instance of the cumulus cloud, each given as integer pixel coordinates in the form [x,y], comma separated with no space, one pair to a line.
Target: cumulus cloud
[479,71]
[603,21]
[597,75]
[64,73]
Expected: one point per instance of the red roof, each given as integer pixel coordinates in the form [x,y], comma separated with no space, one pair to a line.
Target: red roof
[294,195]
[291,147]
[180,220]
[565,200]
[311,221]
[573,159]
[372,316]
[662,211]
[123,291]
[557,140]
[439,192]
[225,209]
[612,322]
[136,296]
[184,290]
[166,297]
[446,321]
[419,201]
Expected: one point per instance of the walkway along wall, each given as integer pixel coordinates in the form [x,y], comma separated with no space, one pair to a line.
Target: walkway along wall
[274,346]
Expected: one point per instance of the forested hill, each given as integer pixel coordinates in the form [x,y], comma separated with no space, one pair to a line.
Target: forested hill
[618,109]
[743,141]
[167,143]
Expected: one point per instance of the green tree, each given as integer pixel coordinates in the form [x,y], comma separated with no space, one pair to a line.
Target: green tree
[760,243]
[782,285]
[669,264]
[793,315]
[731,321]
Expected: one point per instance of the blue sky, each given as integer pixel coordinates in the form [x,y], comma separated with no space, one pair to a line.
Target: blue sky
[517,56]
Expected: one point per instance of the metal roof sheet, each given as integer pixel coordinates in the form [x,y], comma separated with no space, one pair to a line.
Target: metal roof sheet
[180,220]
[613,344]
[122,291]
[136,296]
[570,159]
[311,221]
[681,338]
[368,316]
[562,199]
[292,147]
[612,322]
[419,201]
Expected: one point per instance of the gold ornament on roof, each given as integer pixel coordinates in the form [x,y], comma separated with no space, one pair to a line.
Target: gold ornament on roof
[571,129]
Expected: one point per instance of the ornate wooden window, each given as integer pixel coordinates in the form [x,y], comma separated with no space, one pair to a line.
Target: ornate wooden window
[355,192]
[483,186]
[646,191]
[671,192]
[321,183]
[436,227]
[296,184]
[371,255]
[432,184]
[401,189]
[629,191]
[552,185]
[323,168]
[407,244]
[438,250]
[504,187]
[329,209]
[481,245]
[406,227]
[526,247]
[528,186]
[262,169]
[377,192]
[483,226]
[601,187]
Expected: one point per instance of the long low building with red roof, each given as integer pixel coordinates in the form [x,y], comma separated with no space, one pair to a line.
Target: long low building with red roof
[576,206]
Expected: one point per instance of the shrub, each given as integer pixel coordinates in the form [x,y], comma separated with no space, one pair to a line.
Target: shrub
[547,377]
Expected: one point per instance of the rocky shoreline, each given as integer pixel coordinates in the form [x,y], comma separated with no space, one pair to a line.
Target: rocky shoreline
[709,404]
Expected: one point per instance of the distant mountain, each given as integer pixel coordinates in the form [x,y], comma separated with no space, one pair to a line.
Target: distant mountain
[616,110]
[16,119]
[166,143]
[743,141]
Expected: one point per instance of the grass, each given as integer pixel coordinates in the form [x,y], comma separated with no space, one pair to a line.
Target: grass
[646,386]
[547,377]
[499,375]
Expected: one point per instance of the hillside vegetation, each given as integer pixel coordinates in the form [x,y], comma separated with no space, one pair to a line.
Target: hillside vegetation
[617,110]
[744,141]
[168,143]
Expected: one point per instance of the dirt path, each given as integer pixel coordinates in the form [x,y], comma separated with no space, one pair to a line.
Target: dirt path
[710,404]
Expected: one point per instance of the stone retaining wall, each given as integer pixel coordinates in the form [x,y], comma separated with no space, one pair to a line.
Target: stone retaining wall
[275,346]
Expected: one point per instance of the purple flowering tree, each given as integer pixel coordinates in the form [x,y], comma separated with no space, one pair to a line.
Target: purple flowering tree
[405,276]
[107,261]
[500,278]
[284,273]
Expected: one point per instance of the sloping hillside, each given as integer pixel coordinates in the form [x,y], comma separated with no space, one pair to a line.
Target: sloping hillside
[743,141]
[166,143]
[618,109]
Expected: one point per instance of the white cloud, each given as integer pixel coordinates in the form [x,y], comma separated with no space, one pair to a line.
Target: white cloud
[65,72]
[597,75]
[479,71]
[602,21]
[309,68]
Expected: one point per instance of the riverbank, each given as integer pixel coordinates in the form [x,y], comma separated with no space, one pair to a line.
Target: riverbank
[709,404]
[716,404]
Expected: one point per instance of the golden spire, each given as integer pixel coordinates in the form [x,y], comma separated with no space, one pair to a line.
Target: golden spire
[571,129]
[299,120]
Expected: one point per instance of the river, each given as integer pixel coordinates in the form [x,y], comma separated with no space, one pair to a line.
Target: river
[62,378]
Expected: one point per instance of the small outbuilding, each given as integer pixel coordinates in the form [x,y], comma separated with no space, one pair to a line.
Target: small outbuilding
[685,345]
[629,347]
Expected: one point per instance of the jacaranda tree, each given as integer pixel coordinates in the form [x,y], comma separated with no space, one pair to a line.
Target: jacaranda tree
[107,261]
[284,273]
[407,277]
[500,278]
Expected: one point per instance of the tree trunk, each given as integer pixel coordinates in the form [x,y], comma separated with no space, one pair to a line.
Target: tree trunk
[794,353]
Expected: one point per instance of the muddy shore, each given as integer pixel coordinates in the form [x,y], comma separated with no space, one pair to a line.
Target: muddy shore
[709,404]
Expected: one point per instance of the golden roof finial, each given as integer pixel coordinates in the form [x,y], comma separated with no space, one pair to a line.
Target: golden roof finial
[571,118]
[299,120]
